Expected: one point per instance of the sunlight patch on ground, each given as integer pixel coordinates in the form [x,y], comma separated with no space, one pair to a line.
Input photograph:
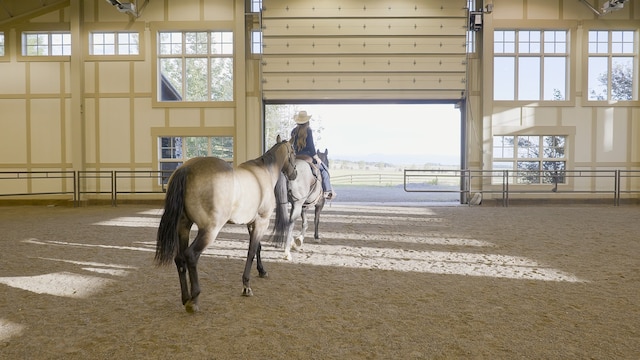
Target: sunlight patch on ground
[58,284]
[64,243]
[9,329]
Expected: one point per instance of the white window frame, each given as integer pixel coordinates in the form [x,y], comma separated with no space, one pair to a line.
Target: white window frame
[114,43]
[508,155]
[605,49]
[219,48]
[519,48]
[58,44]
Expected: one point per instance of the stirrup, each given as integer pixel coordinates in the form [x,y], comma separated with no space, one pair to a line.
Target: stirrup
[330,195]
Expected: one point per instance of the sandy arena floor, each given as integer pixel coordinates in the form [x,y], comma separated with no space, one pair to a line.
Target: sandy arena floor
[386,282]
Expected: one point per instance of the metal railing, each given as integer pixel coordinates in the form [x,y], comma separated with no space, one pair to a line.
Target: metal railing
[600,184]
[53,181]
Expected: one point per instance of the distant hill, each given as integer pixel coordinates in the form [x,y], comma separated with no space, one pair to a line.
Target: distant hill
[399,160]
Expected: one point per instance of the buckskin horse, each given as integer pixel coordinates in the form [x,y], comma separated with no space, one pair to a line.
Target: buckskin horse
[210,192]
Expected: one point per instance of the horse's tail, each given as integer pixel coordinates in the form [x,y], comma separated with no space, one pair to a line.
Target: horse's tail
[167,238]
[282,216]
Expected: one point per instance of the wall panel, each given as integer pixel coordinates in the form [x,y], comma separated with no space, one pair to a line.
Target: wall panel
[364,49]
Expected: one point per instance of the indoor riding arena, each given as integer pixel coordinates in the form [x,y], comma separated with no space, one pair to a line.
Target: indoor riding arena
[525,247]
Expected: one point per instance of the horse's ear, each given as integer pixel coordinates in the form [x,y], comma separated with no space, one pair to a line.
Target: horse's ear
[278,139]
[326,151]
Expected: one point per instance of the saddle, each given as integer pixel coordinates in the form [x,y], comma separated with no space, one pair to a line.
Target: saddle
[314,168]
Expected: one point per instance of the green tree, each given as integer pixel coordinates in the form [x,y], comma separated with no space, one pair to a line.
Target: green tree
[621,83]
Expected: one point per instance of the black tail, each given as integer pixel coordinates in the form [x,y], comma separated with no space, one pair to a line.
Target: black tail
[167,239]
[282,215]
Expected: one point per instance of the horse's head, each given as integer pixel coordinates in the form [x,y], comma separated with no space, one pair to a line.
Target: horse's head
[289,154]
[324,156]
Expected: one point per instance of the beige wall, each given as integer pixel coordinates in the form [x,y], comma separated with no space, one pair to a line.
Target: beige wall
[101,115]
[600,137]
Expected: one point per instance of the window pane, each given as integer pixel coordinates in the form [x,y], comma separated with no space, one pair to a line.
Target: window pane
[553,172]
[528,172]
[528,147]
[504,78]
[196,79]
[171,70]
[598,42]
[504,42]
[256,42]
[529,41]
[222,147]
[598,78]
[622,42]
[555,75]
[503,147]
[622,78]
[553,146]
[222,79]
[170,43]
[196,43]
[196,146]
[529,78]
[222,42]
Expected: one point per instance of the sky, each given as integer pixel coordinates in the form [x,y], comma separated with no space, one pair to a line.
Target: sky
[428,132]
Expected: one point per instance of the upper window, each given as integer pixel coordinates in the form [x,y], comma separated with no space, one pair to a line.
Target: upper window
[46,43]
[256,42]
[256,6]
[533,159]
[195,66]
[530,65]
[115,43]
[611,58]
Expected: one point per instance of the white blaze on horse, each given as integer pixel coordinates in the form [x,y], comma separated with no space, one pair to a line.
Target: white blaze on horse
[210,192]
[301,193]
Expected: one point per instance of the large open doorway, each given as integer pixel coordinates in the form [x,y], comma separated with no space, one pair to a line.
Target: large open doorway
[371,145]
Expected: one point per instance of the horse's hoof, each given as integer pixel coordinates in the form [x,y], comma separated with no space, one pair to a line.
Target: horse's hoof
[299,240]
[287,256]
[191,307]
[247,292]
[264,274]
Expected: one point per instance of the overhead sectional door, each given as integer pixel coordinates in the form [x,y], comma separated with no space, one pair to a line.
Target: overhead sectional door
[363,49]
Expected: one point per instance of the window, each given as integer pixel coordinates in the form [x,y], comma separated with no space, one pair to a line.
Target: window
[195,66]
[530,65]
[533,159]
[471,35]
[2,53]
[612,55]
[46,44]
[114,43]
[174,150]
[256,42]
[256,6]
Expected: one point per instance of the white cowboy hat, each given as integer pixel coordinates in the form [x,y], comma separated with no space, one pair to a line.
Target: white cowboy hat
[301,117]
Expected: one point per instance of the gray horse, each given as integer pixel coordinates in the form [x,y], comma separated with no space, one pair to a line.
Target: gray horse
[302,192]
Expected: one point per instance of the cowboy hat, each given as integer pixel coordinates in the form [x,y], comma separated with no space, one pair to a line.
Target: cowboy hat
[301,117]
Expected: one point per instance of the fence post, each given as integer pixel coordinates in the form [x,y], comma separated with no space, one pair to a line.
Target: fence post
[114,188]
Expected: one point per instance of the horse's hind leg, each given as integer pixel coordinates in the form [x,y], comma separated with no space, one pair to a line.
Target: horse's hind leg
[192,255]
[316,219]
[305,226]
[184,228]
[256,231]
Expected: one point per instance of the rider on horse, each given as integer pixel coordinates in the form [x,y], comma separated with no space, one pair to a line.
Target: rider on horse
[302,136]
